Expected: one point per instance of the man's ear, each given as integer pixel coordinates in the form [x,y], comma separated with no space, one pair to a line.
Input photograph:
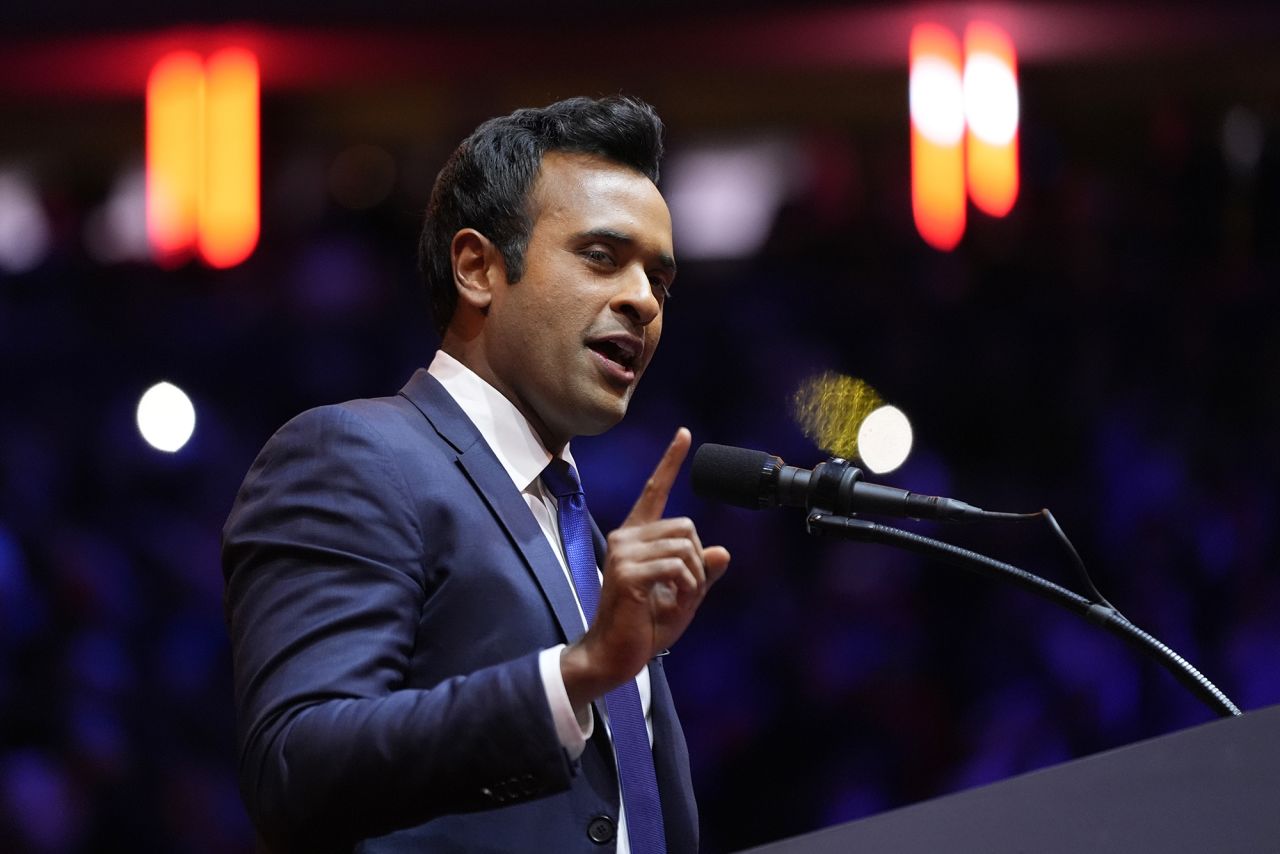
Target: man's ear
[477,268]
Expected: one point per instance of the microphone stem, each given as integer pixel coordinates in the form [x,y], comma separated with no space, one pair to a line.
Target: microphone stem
[863,530]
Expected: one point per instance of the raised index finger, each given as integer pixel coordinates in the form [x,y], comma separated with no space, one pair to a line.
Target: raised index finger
[652,502]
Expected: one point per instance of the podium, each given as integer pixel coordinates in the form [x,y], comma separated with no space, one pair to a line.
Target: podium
[1211,789]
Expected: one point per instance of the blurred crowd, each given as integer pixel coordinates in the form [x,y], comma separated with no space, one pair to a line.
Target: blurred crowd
[1110,351]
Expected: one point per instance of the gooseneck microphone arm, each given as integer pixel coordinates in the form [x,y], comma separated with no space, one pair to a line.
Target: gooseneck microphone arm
[1107,617]
[834,492]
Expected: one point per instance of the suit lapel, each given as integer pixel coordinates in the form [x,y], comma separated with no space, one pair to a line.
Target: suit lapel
[671,763]
[505,502]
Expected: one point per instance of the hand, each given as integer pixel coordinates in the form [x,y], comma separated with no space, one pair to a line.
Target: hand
[656,574]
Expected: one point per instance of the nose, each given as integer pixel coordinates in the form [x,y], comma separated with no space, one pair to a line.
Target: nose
[635,297]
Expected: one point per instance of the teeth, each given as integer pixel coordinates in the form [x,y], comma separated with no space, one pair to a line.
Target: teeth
[615,352]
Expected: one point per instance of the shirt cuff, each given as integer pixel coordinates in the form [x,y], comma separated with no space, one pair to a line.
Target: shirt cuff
[572,729]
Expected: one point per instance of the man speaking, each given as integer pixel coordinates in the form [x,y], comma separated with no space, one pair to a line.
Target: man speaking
[434,647]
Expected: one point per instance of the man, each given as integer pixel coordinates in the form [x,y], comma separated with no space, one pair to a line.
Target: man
[408,619]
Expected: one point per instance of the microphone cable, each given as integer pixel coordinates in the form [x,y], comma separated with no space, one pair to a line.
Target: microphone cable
[1076,563]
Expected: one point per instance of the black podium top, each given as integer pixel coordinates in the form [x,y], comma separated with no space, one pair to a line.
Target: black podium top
[1212,789]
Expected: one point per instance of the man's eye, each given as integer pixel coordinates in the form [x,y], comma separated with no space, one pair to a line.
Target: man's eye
[661,289]
[597,256]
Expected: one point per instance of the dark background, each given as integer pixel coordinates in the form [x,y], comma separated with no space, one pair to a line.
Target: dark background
[1109,350]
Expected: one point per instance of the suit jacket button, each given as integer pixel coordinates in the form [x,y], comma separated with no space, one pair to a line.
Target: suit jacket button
[601,829]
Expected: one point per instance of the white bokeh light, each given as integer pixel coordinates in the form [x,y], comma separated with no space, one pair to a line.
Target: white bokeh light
[937,101]
[25,235]
[166,418]
[884,439]
[724,198]
[116,230]
[1243,138]
[990,99]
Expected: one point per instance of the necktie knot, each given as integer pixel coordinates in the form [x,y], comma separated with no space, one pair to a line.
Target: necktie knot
[561,479]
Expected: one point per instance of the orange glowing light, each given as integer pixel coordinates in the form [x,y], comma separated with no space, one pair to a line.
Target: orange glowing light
[202,157]
[229,219]
[175,96]
[991,113]
[937,136]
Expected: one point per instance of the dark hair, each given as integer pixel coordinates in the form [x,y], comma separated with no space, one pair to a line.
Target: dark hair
[485,183]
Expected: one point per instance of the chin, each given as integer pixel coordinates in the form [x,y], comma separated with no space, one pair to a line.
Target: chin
[596,418]
[597,426]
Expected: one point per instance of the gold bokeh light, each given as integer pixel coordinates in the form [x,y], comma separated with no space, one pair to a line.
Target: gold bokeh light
[829,408]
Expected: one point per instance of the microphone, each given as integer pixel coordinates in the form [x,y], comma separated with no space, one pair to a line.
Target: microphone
[756,480]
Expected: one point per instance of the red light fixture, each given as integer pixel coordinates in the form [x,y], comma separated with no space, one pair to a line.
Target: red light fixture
[964,128]
[937,136]
[991,118]
[202,157]
[175,154]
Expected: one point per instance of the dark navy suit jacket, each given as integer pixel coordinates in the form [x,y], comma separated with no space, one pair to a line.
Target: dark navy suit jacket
[387,594]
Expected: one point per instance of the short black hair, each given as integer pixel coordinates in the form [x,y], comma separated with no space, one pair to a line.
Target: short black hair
[485,183]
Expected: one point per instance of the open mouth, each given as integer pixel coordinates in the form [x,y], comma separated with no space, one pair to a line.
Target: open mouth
[621,350]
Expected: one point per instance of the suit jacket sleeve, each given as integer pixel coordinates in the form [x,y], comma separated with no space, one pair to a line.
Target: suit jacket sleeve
[325,562]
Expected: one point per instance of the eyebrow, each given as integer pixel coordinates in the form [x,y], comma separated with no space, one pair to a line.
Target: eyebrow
[664,260]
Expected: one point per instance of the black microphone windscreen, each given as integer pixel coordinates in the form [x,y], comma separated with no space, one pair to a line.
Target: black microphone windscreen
[733,475]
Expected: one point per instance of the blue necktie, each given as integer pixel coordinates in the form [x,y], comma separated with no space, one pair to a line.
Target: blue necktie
[626,716]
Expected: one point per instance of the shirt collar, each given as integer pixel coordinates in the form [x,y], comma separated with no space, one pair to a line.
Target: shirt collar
[503,427]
